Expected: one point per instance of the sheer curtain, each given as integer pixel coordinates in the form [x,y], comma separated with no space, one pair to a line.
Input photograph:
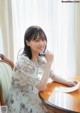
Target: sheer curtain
[57,20]
[1,43]
[6,32]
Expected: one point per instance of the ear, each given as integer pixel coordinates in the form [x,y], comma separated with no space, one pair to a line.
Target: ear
[27,42]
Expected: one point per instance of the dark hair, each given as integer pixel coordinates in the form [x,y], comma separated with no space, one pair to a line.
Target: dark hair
[32,33]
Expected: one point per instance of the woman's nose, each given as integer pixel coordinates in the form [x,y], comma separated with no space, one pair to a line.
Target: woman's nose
[41,43]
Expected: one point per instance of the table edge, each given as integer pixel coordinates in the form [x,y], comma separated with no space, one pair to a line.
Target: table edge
[54,106]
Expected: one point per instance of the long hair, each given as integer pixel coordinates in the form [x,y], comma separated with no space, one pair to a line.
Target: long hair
[32,33]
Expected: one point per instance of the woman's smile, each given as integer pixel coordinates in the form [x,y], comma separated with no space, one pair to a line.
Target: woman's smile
[41,48]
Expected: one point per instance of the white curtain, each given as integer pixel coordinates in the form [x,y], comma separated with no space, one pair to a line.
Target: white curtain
[1,43]
[57,20]
[6,32]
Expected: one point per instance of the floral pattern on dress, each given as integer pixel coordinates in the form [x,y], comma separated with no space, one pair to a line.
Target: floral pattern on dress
[23,97]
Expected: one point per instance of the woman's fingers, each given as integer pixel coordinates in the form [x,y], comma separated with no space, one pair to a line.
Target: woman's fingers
[49,56]
[72,83]
[75,82]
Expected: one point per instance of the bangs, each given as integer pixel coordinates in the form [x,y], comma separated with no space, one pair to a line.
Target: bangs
[34,33]
[40,36]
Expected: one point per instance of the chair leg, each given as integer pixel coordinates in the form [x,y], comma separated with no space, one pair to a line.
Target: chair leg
[1,97]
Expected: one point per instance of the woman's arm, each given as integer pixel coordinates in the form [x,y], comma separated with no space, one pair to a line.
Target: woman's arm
[62,80]
[49,58]
[42,85]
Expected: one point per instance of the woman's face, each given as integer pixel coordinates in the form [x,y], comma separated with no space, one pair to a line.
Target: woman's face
[37,46]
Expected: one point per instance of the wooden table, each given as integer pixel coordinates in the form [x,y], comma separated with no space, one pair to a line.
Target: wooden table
[61,102]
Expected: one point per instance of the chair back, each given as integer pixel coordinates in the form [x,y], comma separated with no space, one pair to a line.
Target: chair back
[6,67]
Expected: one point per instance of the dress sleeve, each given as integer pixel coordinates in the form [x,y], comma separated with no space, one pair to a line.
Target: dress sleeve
[25,66]
[42,64]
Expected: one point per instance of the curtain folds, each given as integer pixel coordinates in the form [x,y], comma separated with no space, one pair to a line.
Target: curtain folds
[6,28]
[58,21]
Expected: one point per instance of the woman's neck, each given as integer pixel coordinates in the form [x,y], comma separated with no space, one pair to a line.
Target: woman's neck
[34,59]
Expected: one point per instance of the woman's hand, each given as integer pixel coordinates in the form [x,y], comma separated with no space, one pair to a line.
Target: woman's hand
[49,57]
[72,83]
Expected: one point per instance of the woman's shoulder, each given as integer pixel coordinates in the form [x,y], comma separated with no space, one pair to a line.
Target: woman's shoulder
[23,58]
[24,62]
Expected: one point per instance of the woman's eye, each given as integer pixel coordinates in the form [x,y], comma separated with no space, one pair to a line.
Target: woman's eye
[43,39]
[36,40]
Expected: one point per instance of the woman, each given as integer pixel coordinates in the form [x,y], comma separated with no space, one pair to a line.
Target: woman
[30,66]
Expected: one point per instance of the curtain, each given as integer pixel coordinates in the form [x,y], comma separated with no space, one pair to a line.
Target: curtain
[77,37]
[57,20]
[1,43]
[6,32]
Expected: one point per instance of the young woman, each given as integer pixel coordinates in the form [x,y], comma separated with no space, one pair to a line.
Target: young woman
[29,67]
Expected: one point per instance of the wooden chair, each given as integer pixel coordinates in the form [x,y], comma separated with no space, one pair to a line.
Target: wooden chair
[6,67]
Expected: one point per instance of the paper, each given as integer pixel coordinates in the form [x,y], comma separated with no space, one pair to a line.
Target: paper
[67,89]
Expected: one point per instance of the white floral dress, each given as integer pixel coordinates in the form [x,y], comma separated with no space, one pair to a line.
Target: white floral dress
[23,97]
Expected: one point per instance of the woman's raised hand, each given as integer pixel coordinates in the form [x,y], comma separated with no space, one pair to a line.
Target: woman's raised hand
[49,57]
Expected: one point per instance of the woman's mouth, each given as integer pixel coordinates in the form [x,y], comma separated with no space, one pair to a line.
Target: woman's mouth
[40,49]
